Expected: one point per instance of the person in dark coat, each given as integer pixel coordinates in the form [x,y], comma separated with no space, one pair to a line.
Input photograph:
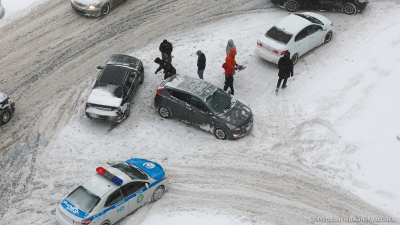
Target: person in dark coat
[201,63]
[169,70]
[166,50]
[285,66]
[228,78]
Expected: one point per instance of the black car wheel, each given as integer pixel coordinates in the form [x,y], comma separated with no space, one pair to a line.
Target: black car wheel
[291,6]
[128,110]
[220,134]
[349,9]
[5,116]
[295,58]
[328,37]
[158,193]
[141,78]
[105,10]
[164,112]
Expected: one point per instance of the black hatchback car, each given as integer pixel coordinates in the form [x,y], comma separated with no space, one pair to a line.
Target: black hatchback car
[115,87]
[203,105]
[7,108]
[347,6]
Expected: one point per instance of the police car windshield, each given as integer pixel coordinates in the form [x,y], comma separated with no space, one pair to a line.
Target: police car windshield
[219,101]
[130,171]
[83,199]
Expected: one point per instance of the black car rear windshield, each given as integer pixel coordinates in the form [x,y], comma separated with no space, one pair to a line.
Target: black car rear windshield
[116,90]
[83,199]
[130,171]
[310,18]
[279,35]
[219,101]
[113,75]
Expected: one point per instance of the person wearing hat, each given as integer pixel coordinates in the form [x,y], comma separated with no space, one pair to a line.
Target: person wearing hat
[169,70]
[201,63]
[166,50]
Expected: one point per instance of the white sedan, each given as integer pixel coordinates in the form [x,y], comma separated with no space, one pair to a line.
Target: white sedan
[297,34]
[113,193]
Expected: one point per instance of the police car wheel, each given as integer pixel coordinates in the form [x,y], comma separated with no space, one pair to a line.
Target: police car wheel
[158,193]
[5,116]
[106,223]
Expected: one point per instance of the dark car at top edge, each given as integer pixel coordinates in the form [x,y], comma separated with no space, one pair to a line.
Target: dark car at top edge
[204,105]
[349,7]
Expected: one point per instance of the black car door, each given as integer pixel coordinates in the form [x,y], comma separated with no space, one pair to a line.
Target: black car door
[199,114]
[133,75]
[179,104]
[327,4]
[128,85]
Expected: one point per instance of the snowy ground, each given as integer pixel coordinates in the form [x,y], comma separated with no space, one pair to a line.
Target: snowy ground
[320,148]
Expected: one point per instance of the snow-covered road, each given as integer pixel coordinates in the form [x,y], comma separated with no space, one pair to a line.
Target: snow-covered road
[318,149]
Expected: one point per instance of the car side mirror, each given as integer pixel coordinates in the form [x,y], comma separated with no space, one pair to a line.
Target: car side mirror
[147,186]
[100,67]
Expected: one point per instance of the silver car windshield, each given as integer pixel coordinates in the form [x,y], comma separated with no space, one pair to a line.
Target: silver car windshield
[83,199]
[219,101]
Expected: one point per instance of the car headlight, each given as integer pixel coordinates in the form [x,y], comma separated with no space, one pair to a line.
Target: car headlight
[92,7]
[362,1]
[232,127]
[165,175]
[11,101]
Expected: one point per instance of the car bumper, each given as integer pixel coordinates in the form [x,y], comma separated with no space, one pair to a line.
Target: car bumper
[267,55]
[86,12]
[362,6]
[94,113]
[244,130]
[62,218]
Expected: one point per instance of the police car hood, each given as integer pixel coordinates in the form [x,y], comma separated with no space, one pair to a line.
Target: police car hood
[153,169]
[3,97]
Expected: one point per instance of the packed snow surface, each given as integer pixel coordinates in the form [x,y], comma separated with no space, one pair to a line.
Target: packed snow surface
[323,146]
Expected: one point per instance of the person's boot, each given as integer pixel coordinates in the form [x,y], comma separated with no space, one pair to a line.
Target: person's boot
[284,86]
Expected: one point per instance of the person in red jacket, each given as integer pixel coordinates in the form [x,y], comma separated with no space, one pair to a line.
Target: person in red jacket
[228,77]
[230,60]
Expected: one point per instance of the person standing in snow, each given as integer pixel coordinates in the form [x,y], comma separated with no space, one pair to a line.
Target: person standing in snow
[169,70]
[201,63]
[166,50]
[285,66]
[228,78]
[230,60]
[230,46]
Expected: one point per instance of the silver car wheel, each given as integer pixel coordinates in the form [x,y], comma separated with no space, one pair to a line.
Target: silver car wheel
[328,37]
[164,112]
[105,10]
[158,193]
[6,117]
[220,134]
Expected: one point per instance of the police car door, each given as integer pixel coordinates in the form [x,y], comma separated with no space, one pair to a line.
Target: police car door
[116,206]
[137,194]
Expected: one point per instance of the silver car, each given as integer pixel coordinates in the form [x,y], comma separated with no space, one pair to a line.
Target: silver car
[94,8]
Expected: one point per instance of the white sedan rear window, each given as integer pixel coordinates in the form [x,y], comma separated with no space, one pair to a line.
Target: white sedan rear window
[279,35]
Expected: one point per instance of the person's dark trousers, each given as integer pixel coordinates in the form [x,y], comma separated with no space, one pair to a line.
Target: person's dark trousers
[168,59]
[200,73]
[229,83]
[279,82]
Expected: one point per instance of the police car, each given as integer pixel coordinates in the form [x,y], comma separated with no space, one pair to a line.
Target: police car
[113,193]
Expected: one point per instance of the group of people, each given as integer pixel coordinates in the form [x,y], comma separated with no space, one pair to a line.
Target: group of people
[285,65]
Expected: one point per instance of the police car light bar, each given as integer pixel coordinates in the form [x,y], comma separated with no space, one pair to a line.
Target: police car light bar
[110,176]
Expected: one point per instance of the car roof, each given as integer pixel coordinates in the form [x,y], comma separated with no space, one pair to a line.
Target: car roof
[113,74]
[100,185]
[154,170]
[126,60]
[195,86]
[293,24]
